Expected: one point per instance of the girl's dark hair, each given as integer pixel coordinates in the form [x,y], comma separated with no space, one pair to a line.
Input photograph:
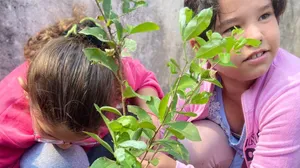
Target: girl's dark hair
[63,85]
[198,5]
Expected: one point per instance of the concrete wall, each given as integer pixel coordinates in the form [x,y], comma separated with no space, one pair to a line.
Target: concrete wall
[19,19]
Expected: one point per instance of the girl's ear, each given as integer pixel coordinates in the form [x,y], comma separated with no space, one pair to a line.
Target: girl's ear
[24,86]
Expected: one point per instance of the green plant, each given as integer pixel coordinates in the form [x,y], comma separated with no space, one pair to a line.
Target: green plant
[127,130]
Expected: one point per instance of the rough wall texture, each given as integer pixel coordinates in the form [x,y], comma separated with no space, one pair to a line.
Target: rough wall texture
[19,19]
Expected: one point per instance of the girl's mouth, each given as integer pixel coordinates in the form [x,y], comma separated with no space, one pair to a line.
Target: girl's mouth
[254,56]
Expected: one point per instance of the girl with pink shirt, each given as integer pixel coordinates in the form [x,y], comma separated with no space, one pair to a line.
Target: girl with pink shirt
[254,120]
[42,127]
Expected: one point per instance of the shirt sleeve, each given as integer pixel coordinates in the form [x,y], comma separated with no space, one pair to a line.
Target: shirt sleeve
[16,134]
[139,77]
[182,165]
[279,129]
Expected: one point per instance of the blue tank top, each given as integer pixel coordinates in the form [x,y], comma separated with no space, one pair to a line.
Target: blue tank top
[217,115]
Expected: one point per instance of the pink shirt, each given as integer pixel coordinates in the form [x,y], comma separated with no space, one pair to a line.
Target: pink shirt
[16,133]
[271,108]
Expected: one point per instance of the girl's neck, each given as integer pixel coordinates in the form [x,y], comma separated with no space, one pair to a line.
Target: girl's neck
[234,88]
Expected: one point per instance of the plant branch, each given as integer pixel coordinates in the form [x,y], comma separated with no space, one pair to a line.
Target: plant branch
[168,110]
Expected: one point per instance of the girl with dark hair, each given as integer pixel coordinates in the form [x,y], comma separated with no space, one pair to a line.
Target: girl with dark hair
[253,121]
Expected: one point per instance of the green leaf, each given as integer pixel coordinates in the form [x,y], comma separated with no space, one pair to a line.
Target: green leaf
[97,32]
[224,57]
[214,81]
[116,126]
[137,134]
[229,64]
[209,34]
[104,162]
[125,6]
[123,137]
[73,30]
[237,31]
[130,45]
[141,114]
[210,49]
[130,93]
[176,133]
[113,16]
[216,36]
[98,56]
[144,27]
[119,28]
[107,8]
[130,161]
[100,18]
[106,121]
[128,122]
[154,161]
[174,148]
[174,102]
[200,41]
[162,109]
[186,82]
[185,15]
[140,3]
[153,105]
[188,114]
[120,154]
[187,129]
[229,43]
[149,133]
[147,124]
[173,66]
[196,68]
[181,94]
[92,20]
[134,144]
[198,24]
[111,109]
[253,42]
[102,142]
[201,98]
[240,44]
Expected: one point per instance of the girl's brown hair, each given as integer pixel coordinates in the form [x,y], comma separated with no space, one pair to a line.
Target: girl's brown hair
[63,85]
[56,30]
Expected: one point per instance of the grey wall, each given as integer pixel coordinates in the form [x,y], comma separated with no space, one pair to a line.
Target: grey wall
[19,19]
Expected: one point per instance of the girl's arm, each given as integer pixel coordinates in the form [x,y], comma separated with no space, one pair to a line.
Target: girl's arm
[279,125]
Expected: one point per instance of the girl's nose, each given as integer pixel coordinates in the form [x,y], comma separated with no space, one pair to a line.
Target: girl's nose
[65,145]
[254,32]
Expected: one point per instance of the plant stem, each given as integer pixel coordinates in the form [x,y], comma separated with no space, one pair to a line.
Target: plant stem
[169,108]
[119,75]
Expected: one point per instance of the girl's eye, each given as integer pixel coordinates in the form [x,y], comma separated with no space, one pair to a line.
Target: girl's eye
[264,16]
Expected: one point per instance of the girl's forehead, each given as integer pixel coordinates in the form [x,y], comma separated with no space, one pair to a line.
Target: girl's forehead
[233,6]
[240,10]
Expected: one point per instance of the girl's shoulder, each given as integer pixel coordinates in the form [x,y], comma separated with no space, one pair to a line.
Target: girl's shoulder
[15,120]
[10,89]
[286,64]
[284,73]
[278,91]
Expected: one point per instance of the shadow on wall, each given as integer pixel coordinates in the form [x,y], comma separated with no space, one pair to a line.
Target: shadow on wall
[20,19]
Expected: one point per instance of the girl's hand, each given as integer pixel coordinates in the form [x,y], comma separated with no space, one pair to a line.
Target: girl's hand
[164,161]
